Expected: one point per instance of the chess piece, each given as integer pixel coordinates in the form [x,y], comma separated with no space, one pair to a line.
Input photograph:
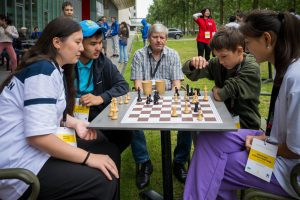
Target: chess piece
[126,99]
[176,91]
[186,97]
[186,108]
[139,99]
[128,96]
[200,116]
[110,114]
[205,98]
[121,100]
[148,100]
[196,109]
[198,92]
[192,92]
[175,97]
[187,89]
[174,112]
[114,101]
[114,115]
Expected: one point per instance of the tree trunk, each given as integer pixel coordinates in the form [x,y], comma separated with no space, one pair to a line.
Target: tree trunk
[255,4]
[221,11]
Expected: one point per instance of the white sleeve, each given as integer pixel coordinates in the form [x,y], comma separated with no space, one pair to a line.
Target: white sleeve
[196,15]
[41,94]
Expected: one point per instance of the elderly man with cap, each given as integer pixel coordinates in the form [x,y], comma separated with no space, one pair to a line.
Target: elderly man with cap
[97,80]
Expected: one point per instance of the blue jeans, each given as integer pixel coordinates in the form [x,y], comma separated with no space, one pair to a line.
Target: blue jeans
[181,152]
[123,53]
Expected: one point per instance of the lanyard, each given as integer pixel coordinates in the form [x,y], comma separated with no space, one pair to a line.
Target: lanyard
[64,119]
[152,74]
[78,80]
[274,95]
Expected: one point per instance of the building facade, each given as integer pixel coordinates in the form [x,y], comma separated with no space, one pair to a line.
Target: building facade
[31,13]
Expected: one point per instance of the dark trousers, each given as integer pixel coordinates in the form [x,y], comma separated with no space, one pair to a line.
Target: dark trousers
[203,47]
[61,179]
[121,138]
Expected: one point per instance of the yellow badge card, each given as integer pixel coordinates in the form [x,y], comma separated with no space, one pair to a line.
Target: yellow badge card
[236,120]
[207,34]
[67,135]
[261,159]
[80,111]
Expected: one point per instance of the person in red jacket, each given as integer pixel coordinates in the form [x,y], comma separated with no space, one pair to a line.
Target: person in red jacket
[207,28]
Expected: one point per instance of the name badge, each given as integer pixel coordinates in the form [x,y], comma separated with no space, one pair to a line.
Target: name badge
[81,111]
[67,135]
[207,34]
[236,120]
[261,159]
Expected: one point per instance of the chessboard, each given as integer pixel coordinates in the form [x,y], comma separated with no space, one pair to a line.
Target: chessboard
[149,113]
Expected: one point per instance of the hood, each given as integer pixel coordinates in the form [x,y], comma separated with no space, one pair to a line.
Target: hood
[144,22]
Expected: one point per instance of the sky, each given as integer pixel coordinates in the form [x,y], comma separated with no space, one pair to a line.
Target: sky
[142,7]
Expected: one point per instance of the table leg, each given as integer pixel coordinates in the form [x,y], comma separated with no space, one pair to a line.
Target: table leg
[166,164]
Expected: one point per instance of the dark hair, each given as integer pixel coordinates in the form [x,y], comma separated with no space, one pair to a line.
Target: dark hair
[227,38]
[232,19]
[124,31]
[203,11]
[292,10]
[98,34]
[44,50]
[6,19]
[65,4]
[281,26]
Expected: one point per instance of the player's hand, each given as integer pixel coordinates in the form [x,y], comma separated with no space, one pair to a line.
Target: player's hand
[198,62]
[249,140]
[91,100]
[83,132]
[215,91]
[103,163]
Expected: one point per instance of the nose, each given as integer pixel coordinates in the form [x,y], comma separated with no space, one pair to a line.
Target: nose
[81,49]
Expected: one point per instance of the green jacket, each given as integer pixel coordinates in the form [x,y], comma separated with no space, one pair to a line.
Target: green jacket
[239,87]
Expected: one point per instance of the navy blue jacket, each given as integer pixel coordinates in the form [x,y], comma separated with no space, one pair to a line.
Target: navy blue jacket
[108,83]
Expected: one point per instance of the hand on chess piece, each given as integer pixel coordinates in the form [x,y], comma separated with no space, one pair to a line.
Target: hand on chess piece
[91,100]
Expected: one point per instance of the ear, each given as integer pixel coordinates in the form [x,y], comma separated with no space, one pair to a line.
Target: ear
[240,50]
[268,39]
[56,42]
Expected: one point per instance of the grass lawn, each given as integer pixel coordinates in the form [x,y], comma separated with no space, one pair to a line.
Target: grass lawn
[186,49]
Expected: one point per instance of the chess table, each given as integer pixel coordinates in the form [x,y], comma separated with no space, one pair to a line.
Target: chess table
[141,116]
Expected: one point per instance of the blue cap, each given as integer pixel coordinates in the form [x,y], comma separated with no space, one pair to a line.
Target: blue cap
[89,28]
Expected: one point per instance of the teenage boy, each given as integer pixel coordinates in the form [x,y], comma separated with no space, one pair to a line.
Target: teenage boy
[98,80]
[236,76]
[67,9]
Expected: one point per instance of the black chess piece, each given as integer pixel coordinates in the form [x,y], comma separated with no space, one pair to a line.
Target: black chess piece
[192,92]
[188,89]
[139,99]
[198,92]
[176,91]
[150,99]
[196,109]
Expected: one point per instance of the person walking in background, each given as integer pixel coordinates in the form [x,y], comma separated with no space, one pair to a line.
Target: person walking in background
[123,38]
[7,33]
[114,35]
[232,22]
[38,102]
[144,31]
[36,34]
[207,28]
[218,165]
[67,9]
[106,30]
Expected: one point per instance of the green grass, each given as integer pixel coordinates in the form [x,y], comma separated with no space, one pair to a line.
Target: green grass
[186,50]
